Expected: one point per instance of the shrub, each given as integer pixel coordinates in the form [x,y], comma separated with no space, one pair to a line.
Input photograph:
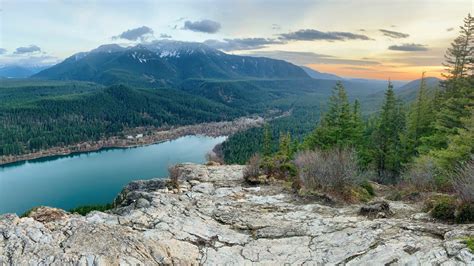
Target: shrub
[252,169]
[213,157]
[174,173]
[422,174]
[331,171]
[395,195]
[465,213]
[470,243]
[85,209]
[464,183]
[365,184]
[442,207]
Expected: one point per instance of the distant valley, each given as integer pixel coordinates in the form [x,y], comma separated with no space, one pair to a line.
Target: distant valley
[100,93]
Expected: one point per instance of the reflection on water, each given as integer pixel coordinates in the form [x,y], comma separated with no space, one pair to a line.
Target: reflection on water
[93,177]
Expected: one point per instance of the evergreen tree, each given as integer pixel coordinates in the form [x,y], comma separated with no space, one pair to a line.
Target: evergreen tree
[336,127]
[285,145]
[459,57]
[386,138]
[460,147]
[419,120]
[357,124]
[456,101]
[267,141]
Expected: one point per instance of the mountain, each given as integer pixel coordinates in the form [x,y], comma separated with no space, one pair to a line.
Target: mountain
[320,75]
[406,93]
[378,82]
[166,63]
[14,71]
[409,91]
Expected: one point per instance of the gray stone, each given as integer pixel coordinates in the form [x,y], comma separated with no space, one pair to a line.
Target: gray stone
[215,219]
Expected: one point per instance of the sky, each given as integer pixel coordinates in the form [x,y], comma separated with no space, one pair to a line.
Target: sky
[379,39]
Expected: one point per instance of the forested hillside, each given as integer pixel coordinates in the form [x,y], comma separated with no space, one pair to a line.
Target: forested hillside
[39,116]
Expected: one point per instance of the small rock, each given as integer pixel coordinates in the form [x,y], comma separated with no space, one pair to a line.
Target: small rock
[47,214]
[378,209]
[142,203]
[255,180]
[206,188]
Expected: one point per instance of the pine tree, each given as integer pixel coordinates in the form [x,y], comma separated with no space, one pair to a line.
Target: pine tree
[386,138]
[459,57]
[267,141]
[458,94]
[460,147]
[336,127]
[285,145]
[419,120]
[357,124]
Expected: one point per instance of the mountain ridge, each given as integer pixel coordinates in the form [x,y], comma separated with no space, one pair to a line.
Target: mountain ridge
[165,63]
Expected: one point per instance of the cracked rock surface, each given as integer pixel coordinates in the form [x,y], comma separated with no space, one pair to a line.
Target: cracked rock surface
[215,218]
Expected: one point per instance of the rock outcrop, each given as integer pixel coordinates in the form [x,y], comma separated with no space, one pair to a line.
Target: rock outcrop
[215,218]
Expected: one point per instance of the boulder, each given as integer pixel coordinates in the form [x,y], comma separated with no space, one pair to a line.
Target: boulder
[47,214]
[377,209]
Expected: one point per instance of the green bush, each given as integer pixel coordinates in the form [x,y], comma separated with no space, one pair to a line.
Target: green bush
[84,210]
[444,208]
[465,213]
[367,186]
[470,243]
[395,196]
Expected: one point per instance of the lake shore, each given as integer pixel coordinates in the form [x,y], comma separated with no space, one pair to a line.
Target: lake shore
[140,137]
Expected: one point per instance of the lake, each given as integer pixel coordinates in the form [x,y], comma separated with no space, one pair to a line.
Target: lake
[93,177]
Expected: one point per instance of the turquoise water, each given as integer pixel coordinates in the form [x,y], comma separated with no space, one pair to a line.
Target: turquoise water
[94,177]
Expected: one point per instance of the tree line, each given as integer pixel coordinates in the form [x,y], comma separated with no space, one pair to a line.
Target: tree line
[433,133]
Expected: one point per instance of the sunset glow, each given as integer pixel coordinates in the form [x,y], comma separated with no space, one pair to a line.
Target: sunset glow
[364,39]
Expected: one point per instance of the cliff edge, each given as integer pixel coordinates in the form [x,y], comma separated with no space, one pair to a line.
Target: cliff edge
[216,218]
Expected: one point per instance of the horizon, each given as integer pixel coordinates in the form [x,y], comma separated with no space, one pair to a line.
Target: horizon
[328,36]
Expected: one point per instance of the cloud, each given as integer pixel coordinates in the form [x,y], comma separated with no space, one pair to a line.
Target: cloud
[140,33]
[450,29]
[312,35]
[165,36]
[304,58]
[23,60]
[241,44]
[394,34]
[206,26]
[408,47]
[276,27]
[3,51]
[27,49]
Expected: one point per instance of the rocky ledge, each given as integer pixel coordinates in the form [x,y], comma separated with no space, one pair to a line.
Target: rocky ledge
[215,218]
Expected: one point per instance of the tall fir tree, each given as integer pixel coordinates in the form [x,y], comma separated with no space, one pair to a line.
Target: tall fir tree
[459,57]
[455,102]
[419,120]
[267,141]
[336,127]
[387,151]
[285,145]
[358,126]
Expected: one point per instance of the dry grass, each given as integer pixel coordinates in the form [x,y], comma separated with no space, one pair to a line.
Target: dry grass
[422,175]
[333,171]
[252,170]
[174,174]
[464,182]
